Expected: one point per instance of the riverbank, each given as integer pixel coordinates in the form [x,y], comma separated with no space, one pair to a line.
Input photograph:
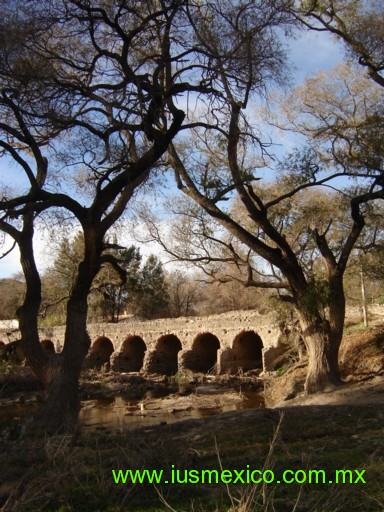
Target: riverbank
[64,475]
[341,431]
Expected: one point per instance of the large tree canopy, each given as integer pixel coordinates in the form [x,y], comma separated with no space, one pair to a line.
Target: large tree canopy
[342,121]
[96,96]
[91,96]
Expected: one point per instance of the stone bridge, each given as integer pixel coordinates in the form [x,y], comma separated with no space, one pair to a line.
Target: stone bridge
[226,343]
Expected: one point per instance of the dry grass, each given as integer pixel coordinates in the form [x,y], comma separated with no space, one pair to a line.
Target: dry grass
[65,475]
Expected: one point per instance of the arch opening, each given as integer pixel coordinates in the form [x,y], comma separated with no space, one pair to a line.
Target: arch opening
[203,355]
[164,359]
[131,356]
[247,350]
[168,343]
[100,353]
[48,346]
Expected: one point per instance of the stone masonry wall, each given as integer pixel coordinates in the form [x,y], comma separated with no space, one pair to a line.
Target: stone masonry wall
[223,329]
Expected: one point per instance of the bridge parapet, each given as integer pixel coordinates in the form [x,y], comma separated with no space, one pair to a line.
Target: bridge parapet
[223,343]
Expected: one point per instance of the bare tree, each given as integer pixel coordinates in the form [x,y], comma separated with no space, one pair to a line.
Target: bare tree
[341,114]
[184,293]
[226,164]
[71,94]
[90,100]
[260,231]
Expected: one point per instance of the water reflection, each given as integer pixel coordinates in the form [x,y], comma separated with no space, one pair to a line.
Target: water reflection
[120,413]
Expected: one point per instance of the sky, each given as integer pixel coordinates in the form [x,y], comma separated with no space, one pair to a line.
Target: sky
[310,53]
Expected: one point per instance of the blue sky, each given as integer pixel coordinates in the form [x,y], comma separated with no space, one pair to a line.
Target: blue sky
[313,52]
[310,53]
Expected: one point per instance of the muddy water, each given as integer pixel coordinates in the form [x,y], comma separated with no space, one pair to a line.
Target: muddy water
[120,413]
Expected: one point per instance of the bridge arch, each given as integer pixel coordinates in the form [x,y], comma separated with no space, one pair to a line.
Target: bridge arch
[131,355]
[247,350]
[167,348]
[48,346]
[100,353]
[163,359]
[203,355]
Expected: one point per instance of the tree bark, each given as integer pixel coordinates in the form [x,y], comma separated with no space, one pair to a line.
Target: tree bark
[60,411]
[322,336]
[61,408]
[60,373]
[363,298]
[27,313]
[323,367]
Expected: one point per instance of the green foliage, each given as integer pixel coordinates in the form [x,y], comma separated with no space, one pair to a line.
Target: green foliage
[281,370]
[140,288]
[111,289]
[357,328]
[316,298]
[284,312]
[180,378]
[65,266]
[150,299]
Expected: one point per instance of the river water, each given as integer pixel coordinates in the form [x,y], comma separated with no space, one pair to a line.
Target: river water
[120,413]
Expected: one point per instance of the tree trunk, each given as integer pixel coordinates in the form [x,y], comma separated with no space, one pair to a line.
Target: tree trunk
[322,311]
[61,372]
[323,367]
[27,313]
[363,298]
[59,413]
